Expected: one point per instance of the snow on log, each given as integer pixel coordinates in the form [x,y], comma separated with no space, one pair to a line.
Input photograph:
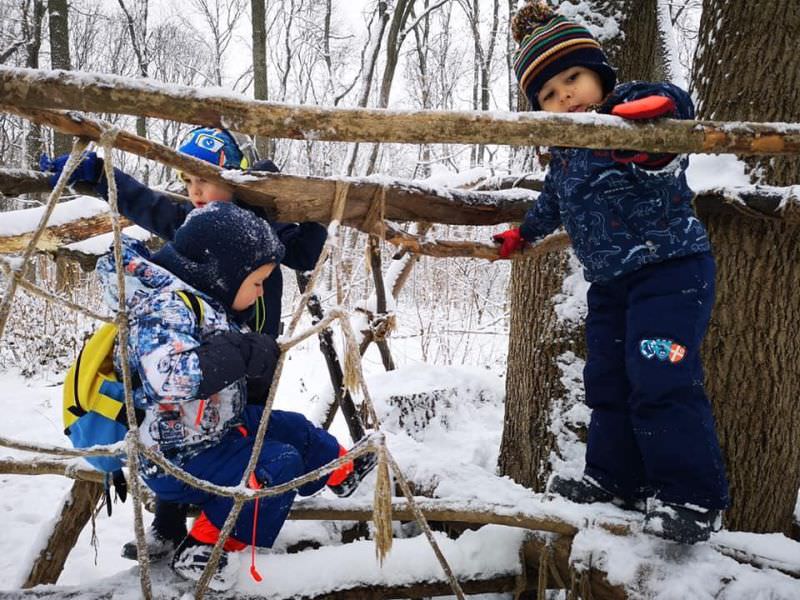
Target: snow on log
[100,93]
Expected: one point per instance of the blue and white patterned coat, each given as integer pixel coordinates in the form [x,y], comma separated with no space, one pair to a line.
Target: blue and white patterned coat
[619,217]
[163,336]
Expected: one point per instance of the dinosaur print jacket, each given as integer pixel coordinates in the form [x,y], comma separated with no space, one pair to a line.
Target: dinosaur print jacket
[619,216]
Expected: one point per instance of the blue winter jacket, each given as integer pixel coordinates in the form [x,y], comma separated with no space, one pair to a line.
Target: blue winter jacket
[619,217]
[161,215]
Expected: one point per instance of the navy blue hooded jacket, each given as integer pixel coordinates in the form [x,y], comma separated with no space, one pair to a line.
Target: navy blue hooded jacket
[619,217]
[162,215]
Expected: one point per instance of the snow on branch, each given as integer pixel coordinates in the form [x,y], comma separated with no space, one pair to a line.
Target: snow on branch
[99,93]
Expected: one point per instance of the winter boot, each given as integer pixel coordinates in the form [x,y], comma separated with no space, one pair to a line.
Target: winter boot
[588,491]
[164,535]
[344,480]
[192,556]
[158,546]
[685,524]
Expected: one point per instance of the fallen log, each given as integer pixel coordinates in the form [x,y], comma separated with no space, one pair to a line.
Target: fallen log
[100,93]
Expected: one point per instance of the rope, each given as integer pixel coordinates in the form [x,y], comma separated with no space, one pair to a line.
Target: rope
[78,146]
[382,510]
[340,197]
[132,438]
[374,219]
[34,289]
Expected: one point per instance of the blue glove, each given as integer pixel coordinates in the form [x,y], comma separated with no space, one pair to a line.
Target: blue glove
[88,171]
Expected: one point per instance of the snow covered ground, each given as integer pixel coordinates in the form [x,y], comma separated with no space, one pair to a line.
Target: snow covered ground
[453,452]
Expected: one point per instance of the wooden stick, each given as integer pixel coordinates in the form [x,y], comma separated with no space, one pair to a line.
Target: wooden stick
[93,92]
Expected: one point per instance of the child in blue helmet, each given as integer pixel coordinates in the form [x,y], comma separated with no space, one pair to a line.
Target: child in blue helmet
[195,373]
[161,215]
[631,223]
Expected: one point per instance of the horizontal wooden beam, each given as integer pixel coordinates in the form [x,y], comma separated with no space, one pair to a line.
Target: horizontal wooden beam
[292,198]
[100,93]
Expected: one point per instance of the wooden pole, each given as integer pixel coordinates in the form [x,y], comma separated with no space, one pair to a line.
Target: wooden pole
[99,93]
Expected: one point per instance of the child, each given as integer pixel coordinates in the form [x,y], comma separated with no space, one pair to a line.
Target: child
[648,258]
[194,377]
[161,215]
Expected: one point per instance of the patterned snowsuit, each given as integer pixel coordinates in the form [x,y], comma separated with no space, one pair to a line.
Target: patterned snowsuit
[209,437]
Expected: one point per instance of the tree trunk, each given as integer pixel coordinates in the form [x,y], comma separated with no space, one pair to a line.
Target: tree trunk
[59,57]
[260,86]
[75,513]
[746,67]
[538,343]
[639,25]
[32,33]
[533,379]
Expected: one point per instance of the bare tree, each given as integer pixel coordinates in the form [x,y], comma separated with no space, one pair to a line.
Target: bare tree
[58,14]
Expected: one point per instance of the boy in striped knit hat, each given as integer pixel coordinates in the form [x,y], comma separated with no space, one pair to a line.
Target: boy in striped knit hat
[651,443]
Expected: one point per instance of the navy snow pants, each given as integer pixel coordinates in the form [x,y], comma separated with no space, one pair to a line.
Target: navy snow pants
[652,431]
[293,446]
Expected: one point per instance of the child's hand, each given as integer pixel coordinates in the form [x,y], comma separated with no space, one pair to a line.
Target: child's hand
[510,241]
[88,171]
[650,107]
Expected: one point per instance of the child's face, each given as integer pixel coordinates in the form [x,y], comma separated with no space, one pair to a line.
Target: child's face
[573,90]
[202,192]
[252,287]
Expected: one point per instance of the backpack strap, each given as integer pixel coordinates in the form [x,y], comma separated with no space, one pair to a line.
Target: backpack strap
[193,303]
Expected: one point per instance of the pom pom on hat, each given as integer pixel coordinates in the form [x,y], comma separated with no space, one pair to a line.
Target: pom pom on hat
[529,17]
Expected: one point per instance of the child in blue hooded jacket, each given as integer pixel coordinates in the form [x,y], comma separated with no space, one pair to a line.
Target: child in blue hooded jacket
[195,373]
[631,223]
[161,215]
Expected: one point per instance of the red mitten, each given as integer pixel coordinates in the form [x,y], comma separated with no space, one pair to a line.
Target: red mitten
[510,241]
[651,107]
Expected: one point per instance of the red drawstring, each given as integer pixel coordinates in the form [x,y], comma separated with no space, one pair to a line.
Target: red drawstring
[253,484]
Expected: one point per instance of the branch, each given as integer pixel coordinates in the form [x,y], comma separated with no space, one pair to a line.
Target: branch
[107,93]
[291,198]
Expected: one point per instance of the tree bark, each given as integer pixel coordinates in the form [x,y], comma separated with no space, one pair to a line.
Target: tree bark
[23,90]
[58,13]
[260,82]
[746,66]
[76,511]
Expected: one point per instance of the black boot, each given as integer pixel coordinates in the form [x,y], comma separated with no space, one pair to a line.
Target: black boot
[681,523]
[164,535]
[362,465]
[587,491]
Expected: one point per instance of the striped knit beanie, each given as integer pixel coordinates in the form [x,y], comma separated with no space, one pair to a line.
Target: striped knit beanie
[550,44]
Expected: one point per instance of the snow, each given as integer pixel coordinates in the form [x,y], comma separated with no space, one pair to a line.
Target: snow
[708,171]
[451,451]
[17,222]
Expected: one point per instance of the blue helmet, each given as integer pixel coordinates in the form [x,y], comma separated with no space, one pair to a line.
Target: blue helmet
[216,146]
